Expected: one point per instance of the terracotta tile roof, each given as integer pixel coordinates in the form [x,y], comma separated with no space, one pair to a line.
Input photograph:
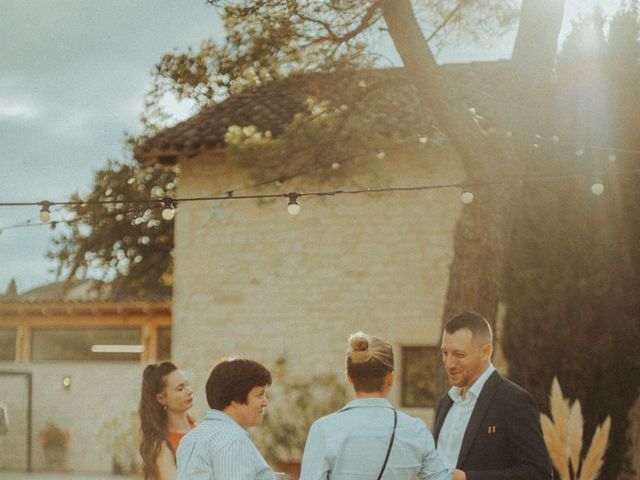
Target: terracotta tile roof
[273,105]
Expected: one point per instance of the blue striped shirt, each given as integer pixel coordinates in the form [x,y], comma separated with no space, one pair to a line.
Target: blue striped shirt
[220,449]
[352,444]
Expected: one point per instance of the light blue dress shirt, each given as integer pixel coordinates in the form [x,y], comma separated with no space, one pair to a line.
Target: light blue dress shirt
[455,424]
[220,449]
[352,444]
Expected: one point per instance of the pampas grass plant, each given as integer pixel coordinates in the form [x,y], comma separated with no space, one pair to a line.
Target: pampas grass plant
[563,434]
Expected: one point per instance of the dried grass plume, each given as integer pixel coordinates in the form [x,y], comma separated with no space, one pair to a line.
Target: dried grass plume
[563,434]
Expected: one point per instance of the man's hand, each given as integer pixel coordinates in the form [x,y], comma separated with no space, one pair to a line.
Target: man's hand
[459,475]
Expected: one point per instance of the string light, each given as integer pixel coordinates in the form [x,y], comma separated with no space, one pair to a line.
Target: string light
[597,187]
[466,196]
[169,210]
[45,213]
[293,207]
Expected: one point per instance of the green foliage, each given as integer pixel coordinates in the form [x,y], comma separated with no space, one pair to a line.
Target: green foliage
[272,39]
[294,405]
[327,134]
[128,245]
[573,303]
[119,437]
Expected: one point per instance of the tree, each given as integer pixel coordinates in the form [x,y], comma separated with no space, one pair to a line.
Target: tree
[126,244]
[270,37]
[574,310]
[265,40]
[12,289]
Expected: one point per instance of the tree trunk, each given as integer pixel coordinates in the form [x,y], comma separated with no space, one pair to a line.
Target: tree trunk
[482,238]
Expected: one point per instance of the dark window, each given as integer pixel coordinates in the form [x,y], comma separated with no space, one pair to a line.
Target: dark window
[121,344]
[7,343]
[164,343]
[419,376]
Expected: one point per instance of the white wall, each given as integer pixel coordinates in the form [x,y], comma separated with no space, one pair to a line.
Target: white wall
[99,391]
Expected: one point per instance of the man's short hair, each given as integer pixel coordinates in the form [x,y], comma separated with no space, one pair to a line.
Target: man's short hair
[231,379]
[476,323]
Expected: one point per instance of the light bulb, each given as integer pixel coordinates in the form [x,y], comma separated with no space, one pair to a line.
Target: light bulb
[597,188]
[423,139]
[612,158]
[45,214]
[335,165]
[579,153]
[380,155]
[293,207]
[169,208]
[168,213]
[466,197]
[555,139]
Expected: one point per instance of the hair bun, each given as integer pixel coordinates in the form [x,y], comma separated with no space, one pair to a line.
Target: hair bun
[360,347]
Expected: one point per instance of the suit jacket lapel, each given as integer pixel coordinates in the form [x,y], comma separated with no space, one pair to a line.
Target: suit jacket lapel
[442,414]
[481,407]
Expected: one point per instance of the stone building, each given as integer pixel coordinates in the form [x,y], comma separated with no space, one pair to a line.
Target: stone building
[251,280]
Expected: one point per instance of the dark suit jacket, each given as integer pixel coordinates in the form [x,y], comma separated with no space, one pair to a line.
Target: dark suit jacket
[503,440]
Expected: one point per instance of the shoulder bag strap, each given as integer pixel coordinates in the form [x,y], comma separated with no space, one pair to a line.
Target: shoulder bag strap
[393,435]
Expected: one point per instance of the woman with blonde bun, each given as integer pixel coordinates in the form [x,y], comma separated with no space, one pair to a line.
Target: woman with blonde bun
[368,438]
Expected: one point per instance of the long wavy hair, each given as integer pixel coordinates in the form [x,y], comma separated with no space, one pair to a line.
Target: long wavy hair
[153,417]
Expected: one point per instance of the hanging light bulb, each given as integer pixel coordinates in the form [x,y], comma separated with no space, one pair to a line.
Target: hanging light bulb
[294,206]
[466,196]
[169,208]
[597,187]
[45,213]
[335,165]
[380,155]
[612,158]
[423,139]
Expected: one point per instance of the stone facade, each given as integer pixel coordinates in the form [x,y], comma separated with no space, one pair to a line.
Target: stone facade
[252,280]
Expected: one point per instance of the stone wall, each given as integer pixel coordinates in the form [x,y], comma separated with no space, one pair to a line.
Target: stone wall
[252,280]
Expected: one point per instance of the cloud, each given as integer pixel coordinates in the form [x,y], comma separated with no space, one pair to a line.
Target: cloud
[16,110]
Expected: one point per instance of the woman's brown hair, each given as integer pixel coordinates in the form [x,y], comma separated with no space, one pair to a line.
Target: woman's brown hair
[153,417]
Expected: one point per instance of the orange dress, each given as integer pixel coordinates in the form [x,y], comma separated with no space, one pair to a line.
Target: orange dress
[175,437]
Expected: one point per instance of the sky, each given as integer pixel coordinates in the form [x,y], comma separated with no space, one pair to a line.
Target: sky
[73,74]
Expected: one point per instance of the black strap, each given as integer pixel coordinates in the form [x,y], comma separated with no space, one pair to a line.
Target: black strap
[393,435]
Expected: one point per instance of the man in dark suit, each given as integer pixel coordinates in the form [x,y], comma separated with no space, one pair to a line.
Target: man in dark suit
[486,425]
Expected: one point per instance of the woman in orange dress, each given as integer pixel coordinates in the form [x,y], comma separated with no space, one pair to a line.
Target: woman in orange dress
[165,400]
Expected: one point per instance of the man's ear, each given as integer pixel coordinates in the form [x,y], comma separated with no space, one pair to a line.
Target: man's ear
[389,379]
[487,349]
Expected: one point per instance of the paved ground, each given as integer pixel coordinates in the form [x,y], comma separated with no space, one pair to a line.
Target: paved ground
[59,476]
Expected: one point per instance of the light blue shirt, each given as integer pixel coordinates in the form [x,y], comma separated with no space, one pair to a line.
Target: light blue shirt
[220,449]
[455,424]
[352,444]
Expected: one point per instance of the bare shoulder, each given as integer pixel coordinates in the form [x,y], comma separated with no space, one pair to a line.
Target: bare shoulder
[166,463]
